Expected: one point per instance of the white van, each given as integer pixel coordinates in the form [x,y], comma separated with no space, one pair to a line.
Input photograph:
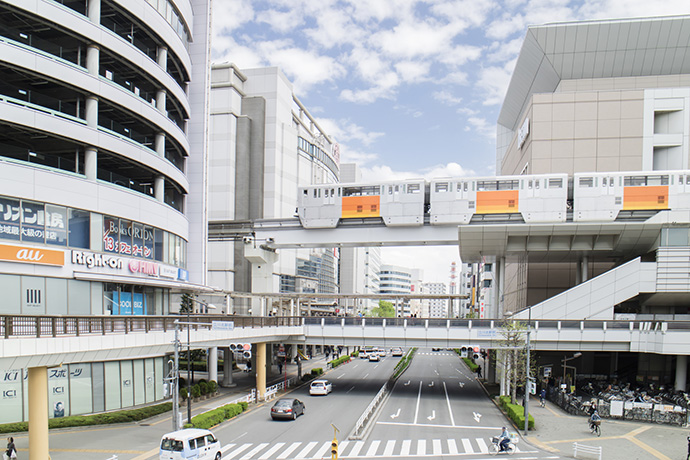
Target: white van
[190,443]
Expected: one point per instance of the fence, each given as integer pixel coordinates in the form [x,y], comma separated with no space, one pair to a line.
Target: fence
[622,410]
[587,450]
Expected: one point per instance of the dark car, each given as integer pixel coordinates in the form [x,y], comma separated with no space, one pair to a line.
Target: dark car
[287,408]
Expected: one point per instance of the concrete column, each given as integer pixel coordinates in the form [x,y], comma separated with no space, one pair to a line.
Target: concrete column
[92,59]
[585,268]
[159,144]
[91,112]
[228,359]
[91,163]
[159,188]
[501,273]
[292,307]
[94,13]
[162,58]
[578,272]
[38,413]
[213,364]
[261,370]
[681,372]
[161,100]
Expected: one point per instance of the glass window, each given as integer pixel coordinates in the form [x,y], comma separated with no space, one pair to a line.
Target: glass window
[159,245]
[10,214]
[79,229]
[137,240]
[111,234]
[125,237]
[56,225]
[556,183]
[147,250]
[33,226]
[441,187]
[587,182]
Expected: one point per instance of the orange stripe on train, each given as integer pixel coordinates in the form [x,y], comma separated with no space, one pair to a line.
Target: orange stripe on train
[361,206]
[497,202]
[651,197]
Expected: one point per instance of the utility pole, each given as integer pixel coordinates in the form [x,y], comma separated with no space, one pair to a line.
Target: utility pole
[175,380]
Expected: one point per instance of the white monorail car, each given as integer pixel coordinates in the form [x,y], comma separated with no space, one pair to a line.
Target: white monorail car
[538,198]
[600,197]
[396,203]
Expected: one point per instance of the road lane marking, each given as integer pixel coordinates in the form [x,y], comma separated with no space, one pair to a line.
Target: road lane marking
[286,453]
[452,447]
[303,453]
[341,376]
[477,416]
[432,425]
[365,376]
[238,451]
[405,449]
[350,389]
[421,447]
[356,448]
[467,445]
[419,396]
[432,416]
[373,448]
[227,447]
[450,410]
[388,451]
[396,415]
[483,448]
[272,450]
[254,451]
[436,447]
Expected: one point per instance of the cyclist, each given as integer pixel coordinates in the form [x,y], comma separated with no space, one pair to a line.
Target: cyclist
[504,440]
[593,419]
[542,397]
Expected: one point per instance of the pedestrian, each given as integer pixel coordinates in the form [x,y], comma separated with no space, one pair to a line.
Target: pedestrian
[11,451]
[479,371]
[280,368]
[688,458]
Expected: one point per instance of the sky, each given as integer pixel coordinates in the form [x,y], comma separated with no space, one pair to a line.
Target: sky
[408,88]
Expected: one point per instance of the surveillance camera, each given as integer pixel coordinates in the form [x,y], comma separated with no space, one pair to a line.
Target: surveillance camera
[247,239]
[270,240]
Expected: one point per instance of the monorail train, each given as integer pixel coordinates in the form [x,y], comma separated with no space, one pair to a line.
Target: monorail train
[539,198]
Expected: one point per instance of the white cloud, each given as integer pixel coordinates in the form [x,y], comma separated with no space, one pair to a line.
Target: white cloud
[434,261]
[230,15]
[384,88]
[350,155]
[346,130]
[446,98]
[481,126]
[494,81]
[414,39]
[282,21]
[412,71]
[383,173]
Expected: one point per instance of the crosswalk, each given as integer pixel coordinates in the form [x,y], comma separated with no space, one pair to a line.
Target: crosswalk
[314,450]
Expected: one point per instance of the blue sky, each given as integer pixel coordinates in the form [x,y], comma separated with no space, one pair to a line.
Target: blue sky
[408,88]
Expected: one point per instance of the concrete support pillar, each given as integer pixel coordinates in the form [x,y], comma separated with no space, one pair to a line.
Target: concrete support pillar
[159,188]
[262,261]
[94,13]
[91,163]
[159,144]
[578,272]
[681,372]
[91,112]
[92,59]
[585,268]
[228,359]
[261,370]
[161,100]
[213,364]
[500,366]
[292,307]
[162,58]
[38,413]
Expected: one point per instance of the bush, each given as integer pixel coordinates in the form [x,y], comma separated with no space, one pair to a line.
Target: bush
[339,361]
[471,364]
[183,393]
[212,386]
[216,416]
[123,416]
[203,388]
[317,371]
[196,390]
[516,413]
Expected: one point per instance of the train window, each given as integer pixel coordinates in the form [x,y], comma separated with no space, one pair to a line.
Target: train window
[586,182]
[365,190]
[314,193]
[390,189]
[338,191]
[536,183]
[305,192]
[441,187]
[555,183]
[396,189]
[465,186]
[470,205]
[413,188]
[529,184]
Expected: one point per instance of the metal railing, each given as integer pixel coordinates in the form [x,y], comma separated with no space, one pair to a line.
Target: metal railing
[588,450]
[58,325]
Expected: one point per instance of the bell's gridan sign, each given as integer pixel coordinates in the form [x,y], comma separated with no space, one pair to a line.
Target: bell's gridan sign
[29,255]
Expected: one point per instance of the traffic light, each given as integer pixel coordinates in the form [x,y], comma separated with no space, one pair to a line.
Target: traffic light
[242,349]
[334,449]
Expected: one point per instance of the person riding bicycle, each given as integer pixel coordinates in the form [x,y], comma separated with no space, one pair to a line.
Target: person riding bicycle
[594,419]
[542,396]
[504,440]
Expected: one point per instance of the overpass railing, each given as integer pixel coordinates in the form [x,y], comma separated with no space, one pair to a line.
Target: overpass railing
[58,326]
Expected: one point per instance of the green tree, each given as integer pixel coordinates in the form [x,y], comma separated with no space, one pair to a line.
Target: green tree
[513,356]
[384,310]
[187,303]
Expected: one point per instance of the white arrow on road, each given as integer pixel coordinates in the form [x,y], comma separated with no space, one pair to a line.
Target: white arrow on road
[408,382]
[431,384]
[432,416]
[397,414]
[462,384]
[477,416]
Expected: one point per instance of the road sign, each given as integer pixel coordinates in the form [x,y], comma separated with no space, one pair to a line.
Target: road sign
[547,372]
[222,325]
[281,351]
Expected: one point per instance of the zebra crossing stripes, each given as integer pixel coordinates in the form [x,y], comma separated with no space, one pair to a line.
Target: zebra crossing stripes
[318,450]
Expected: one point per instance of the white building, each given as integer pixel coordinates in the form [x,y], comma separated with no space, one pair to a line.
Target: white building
[103,121]
[264,145]
[437,308]
[394,280]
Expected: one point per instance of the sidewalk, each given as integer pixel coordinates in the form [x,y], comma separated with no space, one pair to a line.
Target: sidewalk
[556,431]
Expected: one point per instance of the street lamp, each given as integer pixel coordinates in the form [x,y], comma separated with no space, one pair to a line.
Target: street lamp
[189,356]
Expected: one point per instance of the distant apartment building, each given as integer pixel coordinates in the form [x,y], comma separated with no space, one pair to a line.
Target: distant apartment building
[437,308]
[396,281]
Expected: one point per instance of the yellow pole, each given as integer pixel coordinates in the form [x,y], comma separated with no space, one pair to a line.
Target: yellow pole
[38,413]
[261,370]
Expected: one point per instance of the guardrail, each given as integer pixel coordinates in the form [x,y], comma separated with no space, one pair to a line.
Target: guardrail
[588,450]
[58,325]
[368,412]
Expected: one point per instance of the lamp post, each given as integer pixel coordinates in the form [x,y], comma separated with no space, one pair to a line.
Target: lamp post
[189,355]
[565,360]
[527,384]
